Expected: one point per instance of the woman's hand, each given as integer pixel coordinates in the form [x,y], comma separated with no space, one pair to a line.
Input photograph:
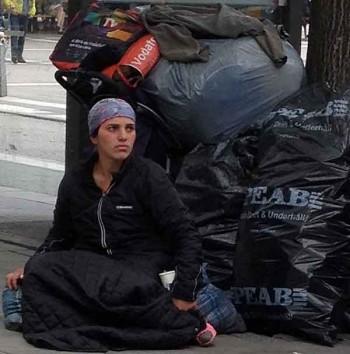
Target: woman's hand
[183,305]
[13,278]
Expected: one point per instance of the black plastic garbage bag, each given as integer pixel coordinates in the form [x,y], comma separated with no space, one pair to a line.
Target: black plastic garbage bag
[212,182]
[292,259]
[236,87]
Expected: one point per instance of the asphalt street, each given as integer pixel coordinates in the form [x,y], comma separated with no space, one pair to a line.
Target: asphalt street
[31,88]
[33,119]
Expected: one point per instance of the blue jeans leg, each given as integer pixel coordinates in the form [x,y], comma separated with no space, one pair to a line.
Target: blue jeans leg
[18,23]
[12,308]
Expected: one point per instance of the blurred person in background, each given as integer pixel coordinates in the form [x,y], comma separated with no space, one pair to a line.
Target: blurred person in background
[19,12]
[2,10]
[306,17]
[56,9]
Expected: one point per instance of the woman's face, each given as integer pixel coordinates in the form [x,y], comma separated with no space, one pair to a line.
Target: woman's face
[115,138]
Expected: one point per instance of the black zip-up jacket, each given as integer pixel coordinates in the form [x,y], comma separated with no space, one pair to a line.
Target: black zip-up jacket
[141,214]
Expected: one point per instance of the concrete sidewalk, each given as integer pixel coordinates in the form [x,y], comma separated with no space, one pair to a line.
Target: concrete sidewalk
[25,218]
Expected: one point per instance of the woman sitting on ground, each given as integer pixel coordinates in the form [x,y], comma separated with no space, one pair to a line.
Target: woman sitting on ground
[93,285]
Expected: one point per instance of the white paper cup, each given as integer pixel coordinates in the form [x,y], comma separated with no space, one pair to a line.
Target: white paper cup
[167,278]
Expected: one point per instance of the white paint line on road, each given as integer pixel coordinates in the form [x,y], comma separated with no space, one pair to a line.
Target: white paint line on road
[26,111]
[32,102]
[42,40]
[38,62]
[15,84]
[56,116]
[30,161]
[38,50]
[15,109]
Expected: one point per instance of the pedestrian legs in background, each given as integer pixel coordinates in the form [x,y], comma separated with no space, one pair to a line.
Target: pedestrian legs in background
[60,15]
[2,22]
[305,26]
[306,17]
[18,23]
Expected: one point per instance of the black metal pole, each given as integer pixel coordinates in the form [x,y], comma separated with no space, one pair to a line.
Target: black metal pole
[294,15]
[77,138]
[75,5]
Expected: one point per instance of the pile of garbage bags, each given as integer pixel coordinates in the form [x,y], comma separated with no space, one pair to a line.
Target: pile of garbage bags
[206,71]
[287,266]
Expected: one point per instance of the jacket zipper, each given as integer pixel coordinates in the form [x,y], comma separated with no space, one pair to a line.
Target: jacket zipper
[100,221]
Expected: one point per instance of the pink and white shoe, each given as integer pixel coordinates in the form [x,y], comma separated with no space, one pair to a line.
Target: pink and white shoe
[206,337]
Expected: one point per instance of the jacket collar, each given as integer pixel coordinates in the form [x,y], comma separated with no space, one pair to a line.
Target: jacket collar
[89,167]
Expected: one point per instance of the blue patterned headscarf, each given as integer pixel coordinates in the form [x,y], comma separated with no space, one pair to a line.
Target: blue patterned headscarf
[108,108]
